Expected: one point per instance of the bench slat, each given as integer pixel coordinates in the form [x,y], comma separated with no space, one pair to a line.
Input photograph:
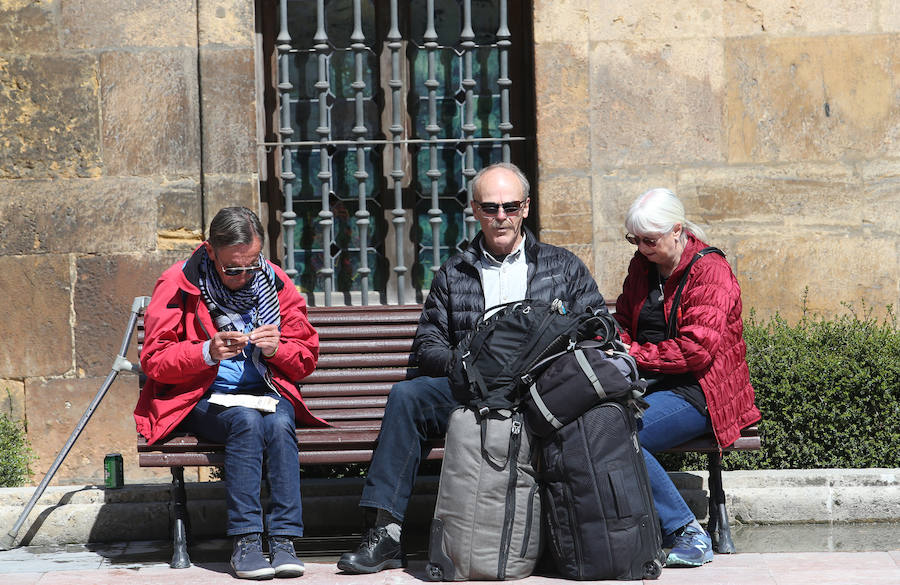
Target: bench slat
[359,331]
[355,389]
[357,375]
[339,346]
[363,360]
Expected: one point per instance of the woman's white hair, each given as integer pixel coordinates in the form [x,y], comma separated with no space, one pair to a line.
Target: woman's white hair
[656,212]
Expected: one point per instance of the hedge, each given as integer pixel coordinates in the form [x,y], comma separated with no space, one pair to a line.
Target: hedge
[828,390]
[15,453]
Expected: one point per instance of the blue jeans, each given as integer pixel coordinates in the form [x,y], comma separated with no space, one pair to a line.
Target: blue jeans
[416,410]
[247,435]
[670,421]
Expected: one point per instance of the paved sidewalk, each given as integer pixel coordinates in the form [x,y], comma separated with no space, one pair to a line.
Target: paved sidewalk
[139,564]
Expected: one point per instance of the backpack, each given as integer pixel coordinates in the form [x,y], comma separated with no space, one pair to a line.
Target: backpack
[485,372]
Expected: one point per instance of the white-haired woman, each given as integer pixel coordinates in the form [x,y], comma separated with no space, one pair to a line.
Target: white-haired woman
[694,359]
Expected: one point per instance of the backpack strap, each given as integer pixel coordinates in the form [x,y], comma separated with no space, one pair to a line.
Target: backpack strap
[672,328]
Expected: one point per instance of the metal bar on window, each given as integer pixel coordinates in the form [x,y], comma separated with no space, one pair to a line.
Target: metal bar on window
[503,42]
[321,47]
[288,217]
[433,129]
[467,42]
[358,44]
[354,143]
[398,213]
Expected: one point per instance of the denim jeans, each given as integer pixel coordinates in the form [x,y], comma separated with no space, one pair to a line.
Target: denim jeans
[416,411]
[669,421]
[248,434]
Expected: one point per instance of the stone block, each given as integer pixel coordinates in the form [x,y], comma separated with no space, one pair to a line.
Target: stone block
[776,267]
[651,19]
[12,399]
[87,216]
[179,207]
[889,17]
[229,190]
[656,103]
[150,112]
[96,24]
[226,22]
[49,116]
[568,21]
[37,330]
[104,291]
[788,17]
[789,505]
[28,27]
[229,110]
[55,406]
[855,504]
[881,198]
[798,194]
[562,89]
[816,98]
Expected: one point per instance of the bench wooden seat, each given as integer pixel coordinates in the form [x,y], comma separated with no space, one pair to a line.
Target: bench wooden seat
[363,352]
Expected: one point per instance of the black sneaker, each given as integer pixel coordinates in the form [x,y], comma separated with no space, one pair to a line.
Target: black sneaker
[284,559]
[377,551]
[248,560]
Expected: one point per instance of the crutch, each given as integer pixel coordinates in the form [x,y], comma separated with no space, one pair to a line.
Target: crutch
[120,364]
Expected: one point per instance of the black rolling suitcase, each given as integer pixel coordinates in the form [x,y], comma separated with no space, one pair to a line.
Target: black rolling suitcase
[601,523]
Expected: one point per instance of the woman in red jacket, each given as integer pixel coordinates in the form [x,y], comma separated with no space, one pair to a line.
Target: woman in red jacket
[697,371]
[226,338]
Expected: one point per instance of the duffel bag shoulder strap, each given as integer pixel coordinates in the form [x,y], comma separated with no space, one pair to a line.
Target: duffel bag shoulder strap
[672,328]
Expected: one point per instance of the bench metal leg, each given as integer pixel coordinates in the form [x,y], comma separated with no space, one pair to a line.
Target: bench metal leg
[718,526]
[181,526]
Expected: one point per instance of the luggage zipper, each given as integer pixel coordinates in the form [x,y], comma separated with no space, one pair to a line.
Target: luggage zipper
[515,442]
[528,521]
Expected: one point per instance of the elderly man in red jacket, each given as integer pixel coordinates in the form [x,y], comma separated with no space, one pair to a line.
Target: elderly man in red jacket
[226,338]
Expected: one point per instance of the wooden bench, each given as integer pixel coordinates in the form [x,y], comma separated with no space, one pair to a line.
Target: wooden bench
[363,352]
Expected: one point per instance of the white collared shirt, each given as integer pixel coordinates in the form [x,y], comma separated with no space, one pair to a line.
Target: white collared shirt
[504,281]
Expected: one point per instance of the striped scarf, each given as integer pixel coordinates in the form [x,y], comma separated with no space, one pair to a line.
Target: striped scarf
[259,298]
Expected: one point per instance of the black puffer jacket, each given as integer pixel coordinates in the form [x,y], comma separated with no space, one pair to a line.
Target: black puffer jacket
[456,300]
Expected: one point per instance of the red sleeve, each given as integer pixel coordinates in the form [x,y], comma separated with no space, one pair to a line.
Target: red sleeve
[168,356]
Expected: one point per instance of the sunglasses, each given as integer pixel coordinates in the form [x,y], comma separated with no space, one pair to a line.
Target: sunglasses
[509,208]
[633,239]
[236,270]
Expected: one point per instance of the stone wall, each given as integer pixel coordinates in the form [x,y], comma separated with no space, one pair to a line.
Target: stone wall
[776,121]
[123,123]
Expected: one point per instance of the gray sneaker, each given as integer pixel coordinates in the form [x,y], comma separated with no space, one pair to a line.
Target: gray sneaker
[284,559]
[248,560]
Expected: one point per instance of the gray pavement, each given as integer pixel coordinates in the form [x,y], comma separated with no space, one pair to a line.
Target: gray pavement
[146,563]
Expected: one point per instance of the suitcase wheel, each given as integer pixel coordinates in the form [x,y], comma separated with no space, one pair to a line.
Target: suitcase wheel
[434,572]
[652,569]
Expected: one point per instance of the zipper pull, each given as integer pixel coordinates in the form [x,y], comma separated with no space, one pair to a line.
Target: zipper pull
[516,427]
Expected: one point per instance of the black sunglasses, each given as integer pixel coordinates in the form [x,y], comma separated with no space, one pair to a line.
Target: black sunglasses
[236,270]
[509,207]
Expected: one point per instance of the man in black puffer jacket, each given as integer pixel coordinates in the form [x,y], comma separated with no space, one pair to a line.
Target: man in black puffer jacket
[504,263]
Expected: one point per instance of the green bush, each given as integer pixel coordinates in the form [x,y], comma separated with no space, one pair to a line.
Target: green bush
[15,453]
[828,391]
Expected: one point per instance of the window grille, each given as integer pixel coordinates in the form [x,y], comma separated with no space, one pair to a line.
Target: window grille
[386,110]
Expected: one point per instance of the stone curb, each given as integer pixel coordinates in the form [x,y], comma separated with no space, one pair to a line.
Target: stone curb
[82,514]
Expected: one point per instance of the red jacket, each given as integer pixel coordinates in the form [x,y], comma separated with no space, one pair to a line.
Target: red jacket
[710,341]
[177,323]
